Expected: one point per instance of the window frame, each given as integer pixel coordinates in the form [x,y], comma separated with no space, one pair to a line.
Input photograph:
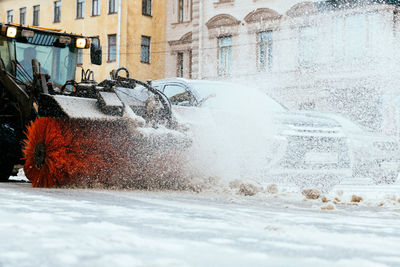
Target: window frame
[179,64]
[308,43]
[190,63]
[24,15]
[109,45]
[267,60]
[36,19]
[55,18]
[181,11]
[147,50]
[80,6]
[225,69]
[97,11]
[10,14]
[114,6]
[147,8]
[356,49]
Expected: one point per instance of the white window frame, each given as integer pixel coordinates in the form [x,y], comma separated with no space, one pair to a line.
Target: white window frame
[20,13]
[33,16]
[10,16]
[308,45]
[225,56]
[98,11]
[83,9]
[265,51]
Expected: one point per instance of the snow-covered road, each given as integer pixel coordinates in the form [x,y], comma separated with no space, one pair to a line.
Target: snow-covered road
[76,227]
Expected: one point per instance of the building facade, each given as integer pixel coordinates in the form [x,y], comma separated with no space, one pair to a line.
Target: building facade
[131,32]
[325,55]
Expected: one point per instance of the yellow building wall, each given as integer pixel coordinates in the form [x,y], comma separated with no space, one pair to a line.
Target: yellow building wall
[133,26]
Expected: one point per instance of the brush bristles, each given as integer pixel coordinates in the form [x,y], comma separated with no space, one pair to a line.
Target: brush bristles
[74,151]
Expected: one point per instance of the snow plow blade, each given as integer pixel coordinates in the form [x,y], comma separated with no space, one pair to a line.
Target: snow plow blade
[101,141]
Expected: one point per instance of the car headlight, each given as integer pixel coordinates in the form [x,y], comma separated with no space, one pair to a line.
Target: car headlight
[64,40]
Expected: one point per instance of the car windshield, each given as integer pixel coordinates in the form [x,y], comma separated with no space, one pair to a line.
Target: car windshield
[58,62]
[216,94]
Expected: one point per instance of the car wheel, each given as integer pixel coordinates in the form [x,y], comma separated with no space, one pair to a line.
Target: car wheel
[8,148]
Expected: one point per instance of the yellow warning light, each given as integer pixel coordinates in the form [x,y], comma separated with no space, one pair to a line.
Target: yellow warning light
[11,32]
[81,43]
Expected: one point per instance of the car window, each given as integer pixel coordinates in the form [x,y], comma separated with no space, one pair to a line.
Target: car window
[178,95]
[173,90]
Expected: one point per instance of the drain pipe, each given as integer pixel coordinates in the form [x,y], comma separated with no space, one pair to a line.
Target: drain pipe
[119,33]
[200,54]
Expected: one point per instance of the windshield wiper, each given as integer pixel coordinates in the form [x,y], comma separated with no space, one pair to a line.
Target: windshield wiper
[22,72]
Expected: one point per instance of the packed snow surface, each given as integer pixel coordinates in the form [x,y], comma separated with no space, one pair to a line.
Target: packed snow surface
[356,224]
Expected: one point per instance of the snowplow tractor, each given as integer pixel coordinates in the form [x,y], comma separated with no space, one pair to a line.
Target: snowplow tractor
[118,132]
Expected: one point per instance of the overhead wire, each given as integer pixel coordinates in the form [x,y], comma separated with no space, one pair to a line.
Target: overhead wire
[276,32]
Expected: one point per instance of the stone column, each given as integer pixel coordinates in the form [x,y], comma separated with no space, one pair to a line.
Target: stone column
[195,38]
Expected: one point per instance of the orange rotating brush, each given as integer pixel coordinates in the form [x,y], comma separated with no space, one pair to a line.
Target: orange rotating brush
[61,152]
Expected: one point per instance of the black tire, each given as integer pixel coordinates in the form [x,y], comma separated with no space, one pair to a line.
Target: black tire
[9,151]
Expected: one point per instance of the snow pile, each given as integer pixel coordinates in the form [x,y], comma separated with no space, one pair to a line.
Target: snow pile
[340,198]
[311,193]
[20,176]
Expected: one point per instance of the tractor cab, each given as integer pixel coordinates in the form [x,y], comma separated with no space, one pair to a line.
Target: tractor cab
[56,52]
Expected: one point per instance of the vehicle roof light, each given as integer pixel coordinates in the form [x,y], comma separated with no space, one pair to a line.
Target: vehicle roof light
[27,33]
[82,43]
[64,39]
[11,32]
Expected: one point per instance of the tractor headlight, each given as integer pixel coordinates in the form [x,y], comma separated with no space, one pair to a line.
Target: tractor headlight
[11,32]
[82,43]
[27,33]
[64,40]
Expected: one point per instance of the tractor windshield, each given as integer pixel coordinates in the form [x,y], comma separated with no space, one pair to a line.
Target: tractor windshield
[57,61]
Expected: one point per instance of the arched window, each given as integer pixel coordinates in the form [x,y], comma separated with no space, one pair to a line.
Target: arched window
[182,50]
[224,28]
[262,22]
[303,9]
[261,15]
[222,20]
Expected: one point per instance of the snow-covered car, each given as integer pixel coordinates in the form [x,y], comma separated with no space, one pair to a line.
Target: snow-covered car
[374,154]
[274,143]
